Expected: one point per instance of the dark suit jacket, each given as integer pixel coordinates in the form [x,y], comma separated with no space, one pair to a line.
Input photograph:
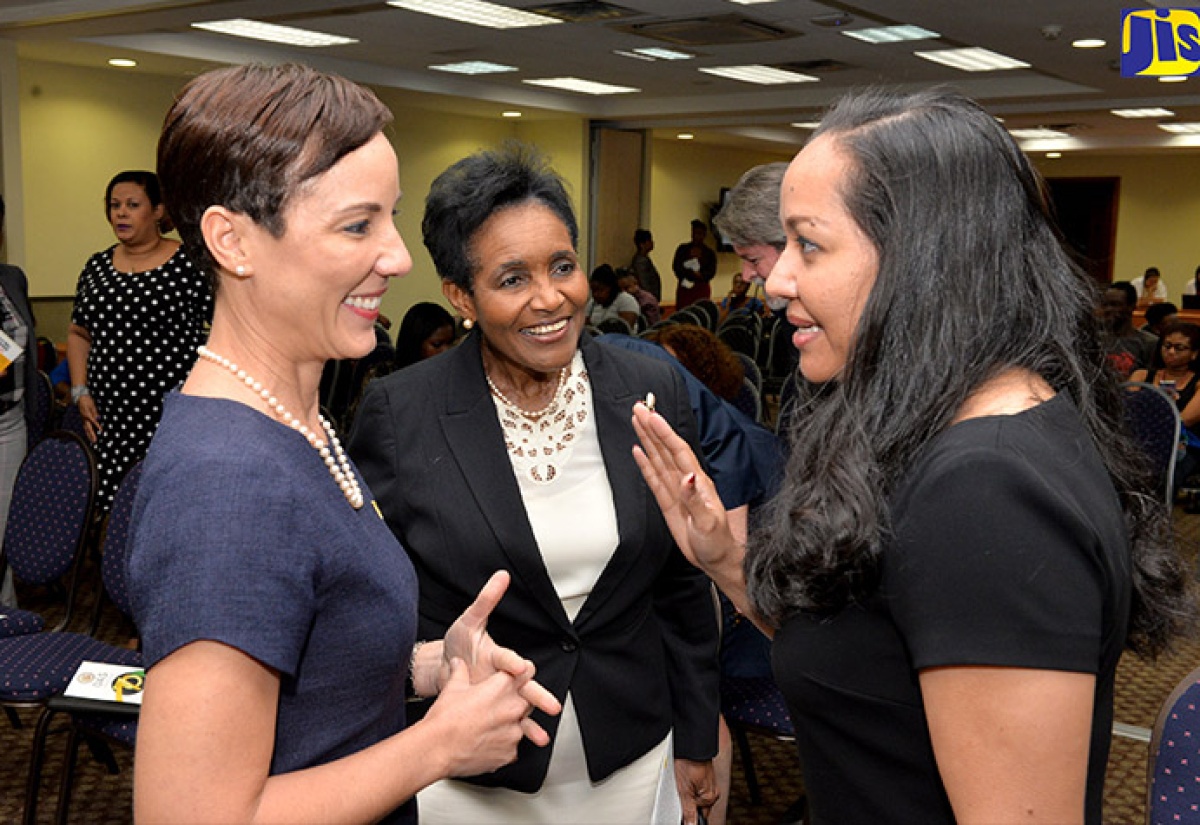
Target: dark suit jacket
[12,279]
[640,657]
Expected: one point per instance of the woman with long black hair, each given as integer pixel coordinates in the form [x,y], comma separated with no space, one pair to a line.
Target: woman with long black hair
[966,540]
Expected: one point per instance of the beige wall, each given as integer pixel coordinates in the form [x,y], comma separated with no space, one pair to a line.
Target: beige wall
[685,181]
[80,126]
[1158,210]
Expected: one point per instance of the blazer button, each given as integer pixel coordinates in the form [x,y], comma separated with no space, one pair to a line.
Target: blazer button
[569,646]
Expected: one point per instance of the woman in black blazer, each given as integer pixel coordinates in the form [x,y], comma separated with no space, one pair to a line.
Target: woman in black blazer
[18,404]
[514,451]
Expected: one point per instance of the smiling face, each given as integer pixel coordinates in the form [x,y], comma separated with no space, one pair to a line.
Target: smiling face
[134,220]
[528,292]
[318,287]
[828,267]
[757,261]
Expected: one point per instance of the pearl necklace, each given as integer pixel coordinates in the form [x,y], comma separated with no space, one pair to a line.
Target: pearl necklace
[335,460]
[536,414]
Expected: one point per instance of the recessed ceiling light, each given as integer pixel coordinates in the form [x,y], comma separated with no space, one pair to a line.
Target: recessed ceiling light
[510,114]
[659,53]
[807,124]
[122,62]
[685,136]
[1089,43]
[892,34]
[635,55]
[1149,112]
[1037,133]
[973,59]
[1053,155]
[575,84]
[477,13]
[256,30]
[1181,128]
[474,67]
[1173,78]
[763,75]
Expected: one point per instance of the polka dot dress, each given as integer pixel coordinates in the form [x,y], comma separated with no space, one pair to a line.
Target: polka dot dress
[145,328]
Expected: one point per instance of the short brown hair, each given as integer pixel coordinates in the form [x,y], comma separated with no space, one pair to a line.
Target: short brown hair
[705,356]
[247,137]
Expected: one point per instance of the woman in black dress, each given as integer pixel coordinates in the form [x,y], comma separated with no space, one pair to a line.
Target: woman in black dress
[966,540]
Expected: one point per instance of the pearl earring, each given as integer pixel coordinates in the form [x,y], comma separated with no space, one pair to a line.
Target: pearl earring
[240,270]
[468,323]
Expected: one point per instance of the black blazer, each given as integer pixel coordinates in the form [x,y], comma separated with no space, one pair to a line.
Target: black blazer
[13,281]
[641,656]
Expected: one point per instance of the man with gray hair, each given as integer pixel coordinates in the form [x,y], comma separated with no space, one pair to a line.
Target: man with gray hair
[749,220]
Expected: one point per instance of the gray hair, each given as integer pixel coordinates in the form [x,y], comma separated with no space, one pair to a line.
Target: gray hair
[750,215]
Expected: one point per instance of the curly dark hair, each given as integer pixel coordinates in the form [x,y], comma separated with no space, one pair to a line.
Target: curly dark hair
[704,355]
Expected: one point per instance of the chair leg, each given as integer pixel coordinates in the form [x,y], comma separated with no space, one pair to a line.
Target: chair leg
[743,744]
[102,753]
[67,780]
[36,758]
[14,718]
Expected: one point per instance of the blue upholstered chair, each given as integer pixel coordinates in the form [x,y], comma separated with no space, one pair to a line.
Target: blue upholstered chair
[47,529]
[1154,421]
[48,660]
[1173,781]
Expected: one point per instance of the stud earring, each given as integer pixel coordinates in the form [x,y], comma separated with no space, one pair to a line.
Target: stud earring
[240,270]
[468,323]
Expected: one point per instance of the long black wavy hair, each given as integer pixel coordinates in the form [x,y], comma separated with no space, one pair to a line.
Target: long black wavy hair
[973,281]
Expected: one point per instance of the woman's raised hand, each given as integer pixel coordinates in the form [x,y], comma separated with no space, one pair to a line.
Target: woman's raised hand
[686,495]
[468,640]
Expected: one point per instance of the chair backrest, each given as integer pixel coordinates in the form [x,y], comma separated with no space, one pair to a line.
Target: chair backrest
[740,339]
[687,315]
[42,398]
[748,401]
[71,421]
[789,394]
[1173,771]
[751,369]
[51,513]
[116,540]
[710,311]
[1154,421]
[617,325]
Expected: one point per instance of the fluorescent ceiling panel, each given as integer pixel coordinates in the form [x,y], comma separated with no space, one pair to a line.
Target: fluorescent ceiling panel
[474,67]
[1181,128]
[477,13]
[664,54]
[1037,133]
[892,34]
[973,59]
[1134,113]
[762,75]
[575,84]
[255,30]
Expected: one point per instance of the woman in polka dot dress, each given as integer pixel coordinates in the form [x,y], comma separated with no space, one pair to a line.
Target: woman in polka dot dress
[140,312]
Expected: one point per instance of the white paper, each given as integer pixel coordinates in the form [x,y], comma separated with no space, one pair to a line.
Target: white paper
[108,682]
[9,350]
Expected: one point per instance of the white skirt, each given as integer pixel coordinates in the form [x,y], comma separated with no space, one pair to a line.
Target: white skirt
[641,793]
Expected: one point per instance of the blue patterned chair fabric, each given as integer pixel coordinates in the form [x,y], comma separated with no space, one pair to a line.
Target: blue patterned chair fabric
[1173,787]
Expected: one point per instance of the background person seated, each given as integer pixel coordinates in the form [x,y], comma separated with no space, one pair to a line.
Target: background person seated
[1128,348]
[1150,288]
[608,301]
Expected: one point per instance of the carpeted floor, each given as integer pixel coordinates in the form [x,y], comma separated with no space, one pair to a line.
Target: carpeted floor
[104,799]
